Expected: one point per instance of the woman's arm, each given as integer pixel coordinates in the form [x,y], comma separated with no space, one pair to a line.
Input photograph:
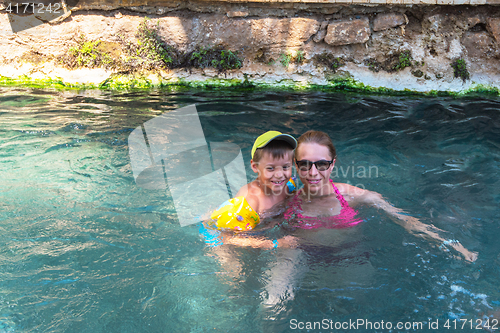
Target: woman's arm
[355,195]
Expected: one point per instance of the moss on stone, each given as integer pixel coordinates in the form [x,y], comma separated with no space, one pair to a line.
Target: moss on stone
[393,63]
[373,65]
[404,59]
[54,83]
[88,53]
[289,57]
[460,69]
[149,51]
[329,60]
[481,90]
[336,84]
[216,57]
[417,73]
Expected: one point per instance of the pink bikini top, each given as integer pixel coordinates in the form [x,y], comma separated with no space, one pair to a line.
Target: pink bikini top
[345,219]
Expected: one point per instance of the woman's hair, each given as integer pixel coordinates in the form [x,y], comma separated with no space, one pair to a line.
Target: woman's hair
[318,137]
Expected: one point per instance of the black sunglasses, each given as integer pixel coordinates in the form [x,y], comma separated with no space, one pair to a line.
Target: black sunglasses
[321,165]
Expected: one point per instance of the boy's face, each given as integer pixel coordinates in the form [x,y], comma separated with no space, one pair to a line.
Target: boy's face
[273,173]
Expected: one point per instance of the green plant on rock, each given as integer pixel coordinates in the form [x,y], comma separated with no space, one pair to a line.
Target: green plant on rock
[217,57]
[286,59]
[299,57]
[329,60]
[404,60]
[229,60]
[460,69]
[373,65]
[150,51]
[199,58]
[150,45]
[86,53]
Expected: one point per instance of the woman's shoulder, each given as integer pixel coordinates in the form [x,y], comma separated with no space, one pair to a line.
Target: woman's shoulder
[349,190]
[355,195]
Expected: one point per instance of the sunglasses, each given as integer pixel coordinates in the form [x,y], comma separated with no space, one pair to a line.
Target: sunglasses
[321,165]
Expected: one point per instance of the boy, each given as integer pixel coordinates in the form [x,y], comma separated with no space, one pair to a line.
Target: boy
[272,160]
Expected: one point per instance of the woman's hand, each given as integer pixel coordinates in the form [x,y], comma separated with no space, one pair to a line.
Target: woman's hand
[470,256]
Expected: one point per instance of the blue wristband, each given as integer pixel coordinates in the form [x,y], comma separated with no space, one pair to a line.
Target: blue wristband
[275,243]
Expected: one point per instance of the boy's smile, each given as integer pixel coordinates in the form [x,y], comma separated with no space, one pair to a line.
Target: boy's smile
[273,173]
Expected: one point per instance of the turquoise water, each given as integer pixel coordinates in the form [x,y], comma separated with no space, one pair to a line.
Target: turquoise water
[84,249]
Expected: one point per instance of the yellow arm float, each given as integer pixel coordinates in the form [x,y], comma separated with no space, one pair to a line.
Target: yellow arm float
[235,214]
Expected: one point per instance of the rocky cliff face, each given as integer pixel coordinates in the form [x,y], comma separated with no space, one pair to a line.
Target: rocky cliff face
[420,48]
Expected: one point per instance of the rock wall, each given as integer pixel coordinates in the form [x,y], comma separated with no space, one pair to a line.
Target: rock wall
[401,47]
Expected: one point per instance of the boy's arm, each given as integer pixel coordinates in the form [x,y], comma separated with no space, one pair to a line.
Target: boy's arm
[246,191]
[256,242]
[214,238]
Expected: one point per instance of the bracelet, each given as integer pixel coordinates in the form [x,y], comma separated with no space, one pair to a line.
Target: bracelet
[448,242]
[275,243]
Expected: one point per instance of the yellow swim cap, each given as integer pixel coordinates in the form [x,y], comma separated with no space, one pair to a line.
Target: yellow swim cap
[269,136]
[235,214]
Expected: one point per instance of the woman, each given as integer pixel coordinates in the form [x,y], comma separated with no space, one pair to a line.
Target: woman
[321,203]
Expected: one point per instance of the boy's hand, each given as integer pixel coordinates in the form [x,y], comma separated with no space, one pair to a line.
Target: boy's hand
[288,242]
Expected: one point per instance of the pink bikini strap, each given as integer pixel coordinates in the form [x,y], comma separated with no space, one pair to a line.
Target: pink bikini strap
[343,201]
[293,206]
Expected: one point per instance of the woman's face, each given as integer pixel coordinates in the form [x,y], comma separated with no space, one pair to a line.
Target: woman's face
[315,181]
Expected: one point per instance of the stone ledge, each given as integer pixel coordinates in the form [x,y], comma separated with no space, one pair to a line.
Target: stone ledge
[398,47]
[174,3]
[284,3]
[353,78]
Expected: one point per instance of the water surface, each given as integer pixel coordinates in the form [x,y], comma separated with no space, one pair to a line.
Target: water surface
[83,248]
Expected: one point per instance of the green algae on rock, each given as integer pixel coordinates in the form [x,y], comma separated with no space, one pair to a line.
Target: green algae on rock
[339,83]
[460,69]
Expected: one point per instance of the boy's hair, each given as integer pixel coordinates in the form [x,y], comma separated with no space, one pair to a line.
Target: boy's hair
[318,137]
[277,149]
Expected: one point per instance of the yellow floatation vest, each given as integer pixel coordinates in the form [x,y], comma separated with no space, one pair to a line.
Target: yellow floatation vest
[237,214]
